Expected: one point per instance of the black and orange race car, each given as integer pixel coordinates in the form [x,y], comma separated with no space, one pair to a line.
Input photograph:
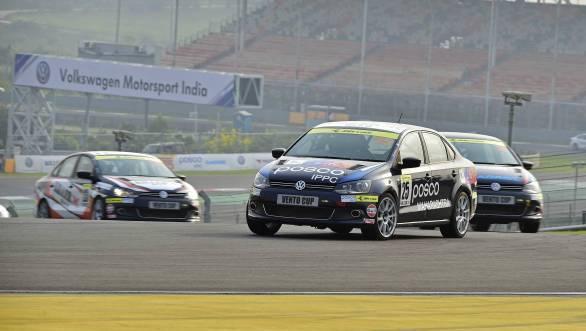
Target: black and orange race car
[115,185]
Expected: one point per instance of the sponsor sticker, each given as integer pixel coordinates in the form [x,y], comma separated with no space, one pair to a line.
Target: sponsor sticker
[126,157]
[359,198]
[434,204]
[368,221]
[371,210]
[476,141]
[406,183]
[109,209]
[348,198]
[374,133]
[114,200]
[367,198]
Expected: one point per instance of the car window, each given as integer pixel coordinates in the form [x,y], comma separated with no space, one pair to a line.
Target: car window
[67,166]
[411,147]
[436,150]
[85,164]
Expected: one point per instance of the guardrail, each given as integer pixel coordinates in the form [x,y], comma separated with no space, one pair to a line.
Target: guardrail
[223,204]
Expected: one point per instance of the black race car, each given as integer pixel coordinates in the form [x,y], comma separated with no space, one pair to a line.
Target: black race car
[369,175]
[115,185]
[507,191]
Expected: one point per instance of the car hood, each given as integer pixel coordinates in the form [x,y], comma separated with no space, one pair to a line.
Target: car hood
[318,171]
[504,175]
[146,184]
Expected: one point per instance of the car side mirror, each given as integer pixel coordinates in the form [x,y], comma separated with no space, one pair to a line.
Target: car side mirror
[527,165]
[410,162]
[182,177]
[278,152]
[86,175]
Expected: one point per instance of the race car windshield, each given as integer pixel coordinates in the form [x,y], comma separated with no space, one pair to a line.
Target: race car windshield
[145,167]
[345,144]
[489,152]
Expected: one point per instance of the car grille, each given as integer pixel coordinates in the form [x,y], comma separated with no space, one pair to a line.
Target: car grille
[157,195]
[317,213]
[307,186]
[504,210]
[162,214]
[503,187]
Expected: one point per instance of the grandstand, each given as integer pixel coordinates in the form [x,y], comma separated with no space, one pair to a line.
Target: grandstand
[414,46]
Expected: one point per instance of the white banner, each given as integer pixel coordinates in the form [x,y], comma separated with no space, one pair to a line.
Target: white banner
[37,163]
[211,162]
[127,80]
[180,162]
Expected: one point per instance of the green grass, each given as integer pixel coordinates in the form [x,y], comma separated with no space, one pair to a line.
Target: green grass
[558,164]
[577,232]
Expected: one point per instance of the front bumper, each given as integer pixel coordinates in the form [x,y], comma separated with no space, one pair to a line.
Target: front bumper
[138,209]
[262,206]
[527,207]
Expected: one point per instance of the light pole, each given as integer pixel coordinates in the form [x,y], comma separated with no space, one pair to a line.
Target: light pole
[512,99]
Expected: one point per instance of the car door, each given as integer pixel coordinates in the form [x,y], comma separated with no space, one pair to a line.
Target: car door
[61,187]
[81,190]
[412,179]
[438,190]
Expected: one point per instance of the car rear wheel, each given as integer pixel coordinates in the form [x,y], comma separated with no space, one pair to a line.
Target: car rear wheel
[98,209]
[43,210]
[460,220]
[341,229]
[481,227]
[529,227]
[386,220]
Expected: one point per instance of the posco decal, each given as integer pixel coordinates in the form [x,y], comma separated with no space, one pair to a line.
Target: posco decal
[321,174]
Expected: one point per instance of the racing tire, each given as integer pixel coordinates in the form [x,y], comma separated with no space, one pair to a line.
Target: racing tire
[341,229]
[480,227]
[529,227]
[98,210]
[43,210]
[387,216]
[265,229]
[460,219]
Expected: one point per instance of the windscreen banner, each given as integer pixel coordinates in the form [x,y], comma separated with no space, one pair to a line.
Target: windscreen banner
[126,80]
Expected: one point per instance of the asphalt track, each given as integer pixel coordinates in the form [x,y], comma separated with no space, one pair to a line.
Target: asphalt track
[76,255]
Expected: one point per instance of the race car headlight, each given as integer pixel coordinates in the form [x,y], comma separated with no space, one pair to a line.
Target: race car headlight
[359,186]
[532,187]
[260,181]
[192,195]
[119,192]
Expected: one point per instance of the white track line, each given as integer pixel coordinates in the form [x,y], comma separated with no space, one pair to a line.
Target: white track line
[398,293]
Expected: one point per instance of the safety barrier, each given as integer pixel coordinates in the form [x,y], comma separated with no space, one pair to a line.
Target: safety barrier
[221,205]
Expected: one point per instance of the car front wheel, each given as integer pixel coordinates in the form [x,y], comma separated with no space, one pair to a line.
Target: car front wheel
[529,227]
[43,210]
[98,210]
[386,220]
[460,220]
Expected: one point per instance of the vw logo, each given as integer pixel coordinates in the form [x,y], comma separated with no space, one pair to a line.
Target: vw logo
[300,185]
[495,186]
[163,194]
[43,72]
